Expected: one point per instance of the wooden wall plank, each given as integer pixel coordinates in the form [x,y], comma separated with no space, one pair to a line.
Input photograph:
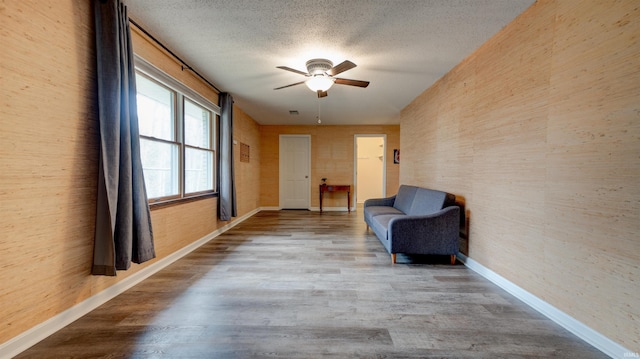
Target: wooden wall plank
[49,161]
[593,165]
[248,176]
[544,120]
[48,156]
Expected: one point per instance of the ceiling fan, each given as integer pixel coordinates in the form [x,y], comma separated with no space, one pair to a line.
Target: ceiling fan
[321,72]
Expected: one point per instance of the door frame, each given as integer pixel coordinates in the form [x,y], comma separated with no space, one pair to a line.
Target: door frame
[355,164]
[280,168]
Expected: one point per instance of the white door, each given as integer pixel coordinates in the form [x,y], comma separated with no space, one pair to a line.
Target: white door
[295,168]
[370,167]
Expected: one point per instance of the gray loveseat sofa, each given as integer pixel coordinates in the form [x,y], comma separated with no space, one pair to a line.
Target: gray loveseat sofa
[415,221]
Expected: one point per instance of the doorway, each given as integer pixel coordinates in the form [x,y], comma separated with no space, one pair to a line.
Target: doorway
[295,168]
[371,161]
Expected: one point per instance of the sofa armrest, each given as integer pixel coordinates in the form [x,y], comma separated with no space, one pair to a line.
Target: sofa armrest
[435,233]
[380,201]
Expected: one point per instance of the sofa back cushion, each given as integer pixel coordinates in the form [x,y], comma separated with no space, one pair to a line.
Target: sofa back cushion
[426,201]
[404,198]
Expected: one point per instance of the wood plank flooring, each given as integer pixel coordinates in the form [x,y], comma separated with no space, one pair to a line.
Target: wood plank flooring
[299,284]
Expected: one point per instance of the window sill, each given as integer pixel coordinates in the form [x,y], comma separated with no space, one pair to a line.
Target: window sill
[179,201]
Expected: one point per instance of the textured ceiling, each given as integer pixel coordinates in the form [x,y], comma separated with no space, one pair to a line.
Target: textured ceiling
[401,46]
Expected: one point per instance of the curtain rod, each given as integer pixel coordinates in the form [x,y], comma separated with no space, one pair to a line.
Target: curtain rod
[184,64]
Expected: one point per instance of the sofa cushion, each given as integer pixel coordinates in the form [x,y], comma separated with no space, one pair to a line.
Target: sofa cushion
[380,224]
[373,211]
[426,201]
[405,198]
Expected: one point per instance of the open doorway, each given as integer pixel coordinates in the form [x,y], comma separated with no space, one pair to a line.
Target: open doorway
[371,161]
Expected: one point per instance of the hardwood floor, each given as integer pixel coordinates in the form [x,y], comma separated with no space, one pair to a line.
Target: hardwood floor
[298,284]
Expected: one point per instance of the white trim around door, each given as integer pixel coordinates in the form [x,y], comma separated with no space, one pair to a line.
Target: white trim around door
[295,171]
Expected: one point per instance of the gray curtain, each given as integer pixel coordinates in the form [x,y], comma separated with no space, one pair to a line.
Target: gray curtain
[123,223]
[226,176]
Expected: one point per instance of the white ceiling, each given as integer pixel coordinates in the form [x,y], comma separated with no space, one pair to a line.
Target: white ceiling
[401,46]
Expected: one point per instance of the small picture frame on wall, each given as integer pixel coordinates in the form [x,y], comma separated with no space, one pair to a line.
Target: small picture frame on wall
[396,156]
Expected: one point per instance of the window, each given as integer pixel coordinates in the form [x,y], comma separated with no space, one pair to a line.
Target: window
[159,148]
[177,144]
[198,157]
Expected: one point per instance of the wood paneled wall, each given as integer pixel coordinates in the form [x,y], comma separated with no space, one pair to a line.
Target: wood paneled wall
[539,131]
[48,157]
[248,175]
[332,156]
[48,160]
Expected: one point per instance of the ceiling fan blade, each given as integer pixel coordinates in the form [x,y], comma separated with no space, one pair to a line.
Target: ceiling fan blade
[358,83]
[293,70]
[341,67]
[322,94]
[282,87]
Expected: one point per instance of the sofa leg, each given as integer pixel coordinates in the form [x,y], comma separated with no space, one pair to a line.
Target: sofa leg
[453,259]
[393,258]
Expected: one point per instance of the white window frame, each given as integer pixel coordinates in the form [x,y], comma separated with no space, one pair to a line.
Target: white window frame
[182,93]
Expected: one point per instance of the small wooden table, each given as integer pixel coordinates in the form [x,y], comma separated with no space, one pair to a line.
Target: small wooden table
[336,188]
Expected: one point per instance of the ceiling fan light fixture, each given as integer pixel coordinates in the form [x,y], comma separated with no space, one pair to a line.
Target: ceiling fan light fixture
[321,76]
[319,83]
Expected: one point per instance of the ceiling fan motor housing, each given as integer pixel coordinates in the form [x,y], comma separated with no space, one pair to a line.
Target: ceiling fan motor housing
[318,66]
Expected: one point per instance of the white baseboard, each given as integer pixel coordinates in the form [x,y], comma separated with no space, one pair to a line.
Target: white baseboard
[313,209]
[599,341]
[331,209]
[27,339]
